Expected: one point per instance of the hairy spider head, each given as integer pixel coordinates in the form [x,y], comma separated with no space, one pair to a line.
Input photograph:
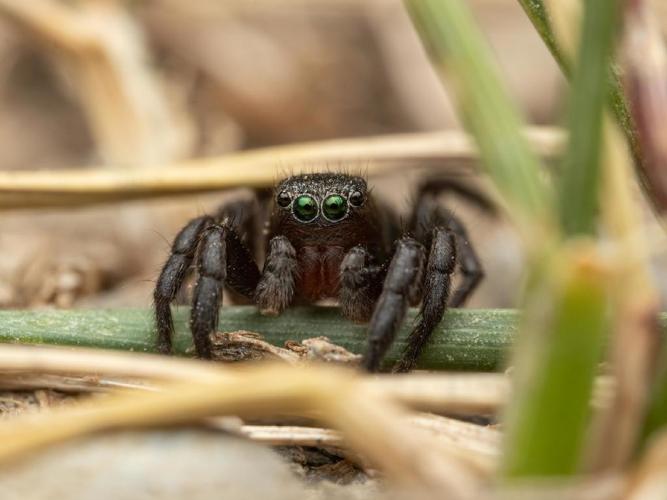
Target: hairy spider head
[321,199]
[323,208]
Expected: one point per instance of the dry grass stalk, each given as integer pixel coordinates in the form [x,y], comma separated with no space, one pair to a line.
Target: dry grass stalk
[646,68]
[100,49]
[474,443]
[253,168]
[98,363]
[462,392]
[649,479]
[21,381]
[93,370]
[371,424]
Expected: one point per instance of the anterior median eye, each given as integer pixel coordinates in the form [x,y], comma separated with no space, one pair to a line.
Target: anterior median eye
[305,208]
[334,207]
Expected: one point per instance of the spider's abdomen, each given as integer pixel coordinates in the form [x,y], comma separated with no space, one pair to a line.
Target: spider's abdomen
[319,272]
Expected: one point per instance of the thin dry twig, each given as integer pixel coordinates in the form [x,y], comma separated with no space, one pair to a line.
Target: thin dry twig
[473,442]
[455,392]
[253,168]
[249,346]
[94,362]
[20,381]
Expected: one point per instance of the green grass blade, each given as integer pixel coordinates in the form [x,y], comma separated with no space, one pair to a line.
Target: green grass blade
[465,340]
[539,16]
[455,44]
[656,415]
[549,417]
[580,176]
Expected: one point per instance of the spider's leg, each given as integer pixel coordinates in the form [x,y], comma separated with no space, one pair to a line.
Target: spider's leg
[468,262]
[435,185]
[402,286]
[437,284]
[172,276]
[222,260]
[360,285]
[275,290]
[427,214]
[243,216]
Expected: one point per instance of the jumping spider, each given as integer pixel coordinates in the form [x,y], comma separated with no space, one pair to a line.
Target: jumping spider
[325,236]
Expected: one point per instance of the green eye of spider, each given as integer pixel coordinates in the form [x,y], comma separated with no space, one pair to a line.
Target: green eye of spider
[334,207]
[305,208]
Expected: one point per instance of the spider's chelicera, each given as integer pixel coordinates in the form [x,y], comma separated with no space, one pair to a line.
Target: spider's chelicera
[324,236]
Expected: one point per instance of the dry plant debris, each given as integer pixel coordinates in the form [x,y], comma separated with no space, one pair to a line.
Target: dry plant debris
[249,346]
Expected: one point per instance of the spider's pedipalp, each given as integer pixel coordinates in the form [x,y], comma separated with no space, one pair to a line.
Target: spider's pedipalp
[223,260]
[275,290]
[360,284]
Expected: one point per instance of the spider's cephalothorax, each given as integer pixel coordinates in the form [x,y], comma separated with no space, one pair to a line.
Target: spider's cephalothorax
[324,236]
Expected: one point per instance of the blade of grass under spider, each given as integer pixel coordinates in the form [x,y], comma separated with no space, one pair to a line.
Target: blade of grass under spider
[457,48]
[465,340]
[580,175]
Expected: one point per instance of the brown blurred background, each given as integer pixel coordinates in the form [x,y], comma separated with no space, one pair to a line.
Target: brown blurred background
[106,83]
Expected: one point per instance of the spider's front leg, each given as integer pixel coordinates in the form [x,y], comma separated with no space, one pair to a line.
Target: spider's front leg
[222,260]
[172,276]
[402,287]
[448,243]
[437,285]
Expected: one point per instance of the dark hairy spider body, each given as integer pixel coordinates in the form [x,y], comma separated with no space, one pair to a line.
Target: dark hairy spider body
[325,236]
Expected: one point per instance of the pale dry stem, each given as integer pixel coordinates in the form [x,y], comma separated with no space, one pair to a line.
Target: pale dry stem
[252,168]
